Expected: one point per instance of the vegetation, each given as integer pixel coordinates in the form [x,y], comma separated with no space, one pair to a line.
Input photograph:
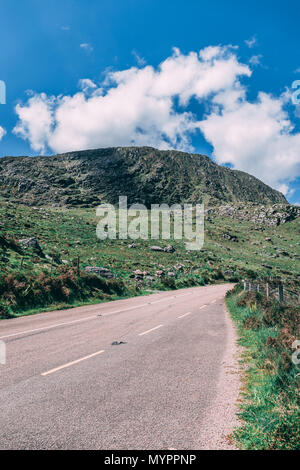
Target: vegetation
[270,409]
[45,276]
[143,174]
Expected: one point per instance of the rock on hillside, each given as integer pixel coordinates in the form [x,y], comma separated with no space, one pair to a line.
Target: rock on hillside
[144,174]
[271,216]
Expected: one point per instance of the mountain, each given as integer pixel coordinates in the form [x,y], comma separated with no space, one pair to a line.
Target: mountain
[144,174]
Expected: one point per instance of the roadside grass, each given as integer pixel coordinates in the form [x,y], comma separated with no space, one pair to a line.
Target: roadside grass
[270,405]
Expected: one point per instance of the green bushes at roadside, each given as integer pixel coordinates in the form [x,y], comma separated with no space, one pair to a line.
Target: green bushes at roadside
[270,409]
[20,292]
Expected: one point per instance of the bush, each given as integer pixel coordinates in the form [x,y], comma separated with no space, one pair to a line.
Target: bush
[19,292]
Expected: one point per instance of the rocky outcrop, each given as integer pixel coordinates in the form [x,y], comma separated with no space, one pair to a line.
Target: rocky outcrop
[269,215]
[30,243]
[166,249]
[103,272]
[143,174]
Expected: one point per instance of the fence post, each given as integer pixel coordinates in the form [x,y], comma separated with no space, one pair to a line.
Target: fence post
[249,288]
[280,293]
[257,288]
[245,284]
[268,290]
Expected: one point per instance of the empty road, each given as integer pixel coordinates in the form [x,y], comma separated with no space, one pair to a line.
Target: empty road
[166,384]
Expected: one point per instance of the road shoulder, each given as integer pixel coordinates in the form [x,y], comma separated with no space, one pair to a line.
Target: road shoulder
[221,417]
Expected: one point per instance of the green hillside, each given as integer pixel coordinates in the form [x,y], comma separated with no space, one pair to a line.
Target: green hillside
[45,274]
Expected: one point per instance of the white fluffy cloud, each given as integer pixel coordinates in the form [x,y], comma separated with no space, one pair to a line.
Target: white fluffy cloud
[255,137]
[2,132]
[150,106]
[132,107]
[36,121]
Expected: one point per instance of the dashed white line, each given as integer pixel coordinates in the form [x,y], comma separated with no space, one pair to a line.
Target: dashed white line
[184,315]
[168,298]
[214,301]
[47,327]
[203,306]
[161,300]
[125,309]
[149,331]
[72,363]
[20,333]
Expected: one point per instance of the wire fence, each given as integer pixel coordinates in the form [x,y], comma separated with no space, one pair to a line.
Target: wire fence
[273,290]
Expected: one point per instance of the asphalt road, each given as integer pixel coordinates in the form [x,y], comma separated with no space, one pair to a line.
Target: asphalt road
[66,386]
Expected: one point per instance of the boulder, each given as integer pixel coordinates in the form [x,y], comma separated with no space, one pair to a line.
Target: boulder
[103,272]
[169,249]
[30,243]
[159,273]
[178,267]
[229,272]
[156,248]
[228,236]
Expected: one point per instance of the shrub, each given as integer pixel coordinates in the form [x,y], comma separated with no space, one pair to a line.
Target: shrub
[21,292]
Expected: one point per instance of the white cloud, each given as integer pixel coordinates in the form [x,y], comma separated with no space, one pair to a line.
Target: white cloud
[133,106]
[36,121]
[256,137]
[65,28]
[255,59]
[140,60]
[2,132]
[149,106]
[251,42]
[86,47]
[86,84]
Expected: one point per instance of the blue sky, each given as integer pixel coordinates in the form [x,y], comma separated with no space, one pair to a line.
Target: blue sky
[48,47]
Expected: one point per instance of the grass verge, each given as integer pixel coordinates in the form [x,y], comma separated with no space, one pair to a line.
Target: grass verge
[270,406]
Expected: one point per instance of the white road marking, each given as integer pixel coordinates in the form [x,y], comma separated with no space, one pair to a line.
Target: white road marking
[70,322]
[214,301]
[86,318]
[184,315]
[203,306]
[149,331]
[169,298]
[161,300]
[47,327]
[72,363]
[126,309]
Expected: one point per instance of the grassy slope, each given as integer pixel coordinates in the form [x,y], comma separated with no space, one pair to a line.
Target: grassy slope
[66,234]
[270,409]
